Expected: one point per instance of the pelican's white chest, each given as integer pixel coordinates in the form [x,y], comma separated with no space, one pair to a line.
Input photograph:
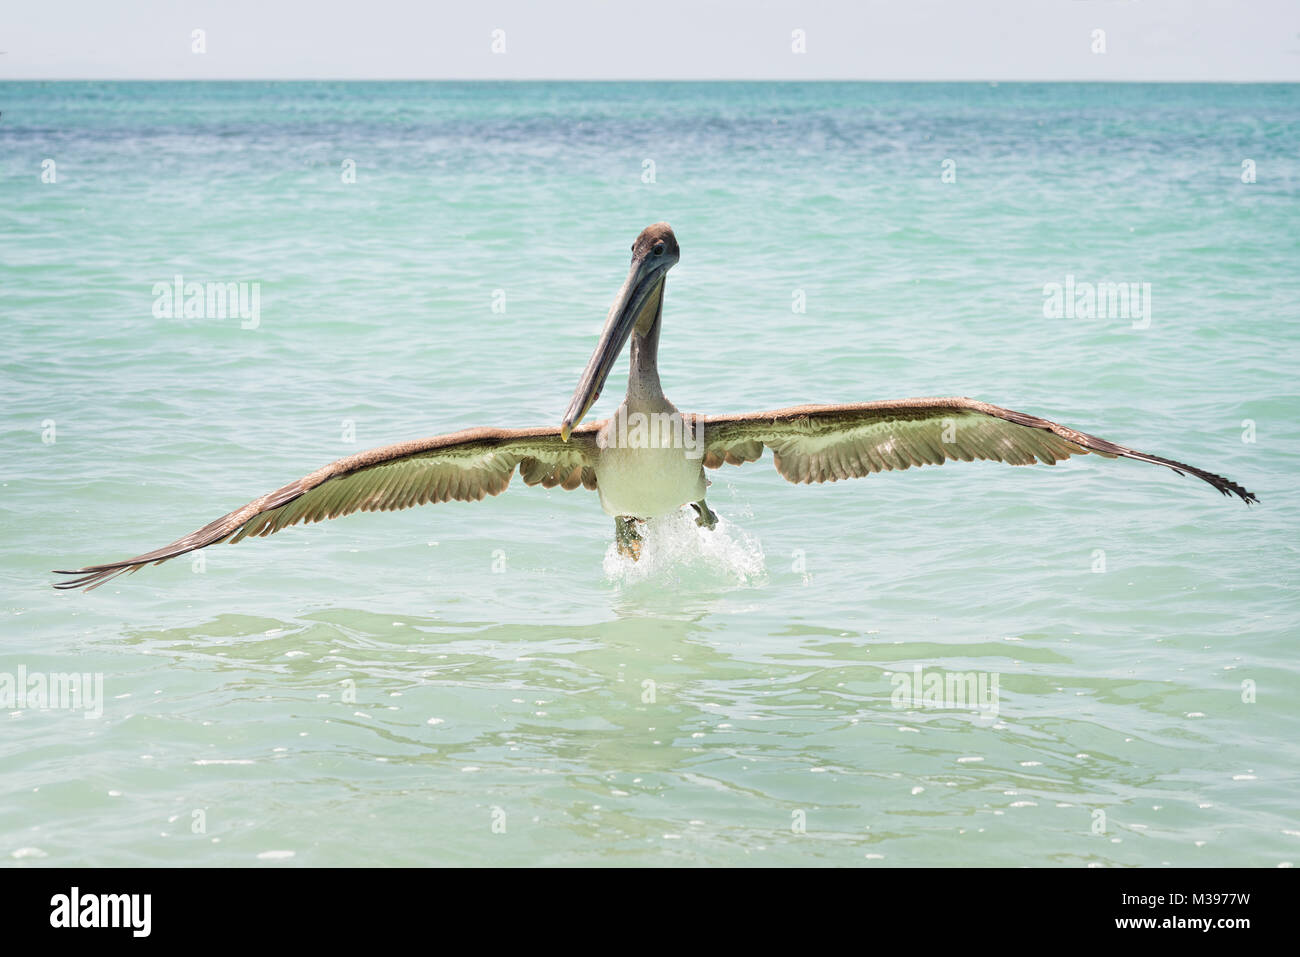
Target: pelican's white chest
[650,461]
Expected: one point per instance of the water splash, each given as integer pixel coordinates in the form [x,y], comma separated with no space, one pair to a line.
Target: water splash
[673,544]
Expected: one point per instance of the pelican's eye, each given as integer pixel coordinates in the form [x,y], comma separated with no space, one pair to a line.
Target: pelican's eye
[659,249]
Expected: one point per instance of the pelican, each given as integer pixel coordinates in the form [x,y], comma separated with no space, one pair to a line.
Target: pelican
[648,459]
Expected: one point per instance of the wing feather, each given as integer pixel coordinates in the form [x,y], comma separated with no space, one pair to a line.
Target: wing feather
[466,466]
[826,443]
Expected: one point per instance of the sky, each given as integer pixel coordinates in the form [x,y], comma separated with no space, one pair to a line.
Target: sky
[1170,40]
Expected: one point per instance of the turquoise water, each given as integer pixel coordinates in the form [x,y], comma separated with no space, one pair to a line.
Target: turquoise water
[487,683]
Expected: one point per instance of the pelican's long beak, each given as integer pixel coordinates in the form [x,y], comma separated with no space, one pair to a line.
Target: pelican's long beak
[635,307]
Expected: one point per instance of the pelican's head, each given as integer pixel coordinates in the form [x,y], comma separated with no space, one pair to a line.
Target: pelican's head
[636,307]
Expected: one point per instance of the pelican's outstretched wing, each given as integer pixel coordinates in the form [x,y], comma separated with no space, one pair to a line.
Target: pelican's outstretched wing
[824,443]
[466,466]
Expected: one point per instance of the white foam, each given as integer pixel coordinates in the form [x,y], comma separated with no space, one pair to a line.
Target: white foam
[674,542]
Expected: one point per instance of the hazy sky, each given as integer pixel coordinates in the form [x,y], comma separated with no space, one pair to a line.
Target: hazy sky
[658,39]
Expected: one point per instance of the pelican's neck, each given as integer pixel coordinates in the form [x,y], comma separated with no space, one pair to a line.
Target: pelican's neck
[643,379]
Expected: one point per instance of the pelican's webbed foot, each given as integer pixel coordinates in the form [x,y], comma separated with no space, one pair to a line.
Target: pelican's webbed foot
[628,537]
[707,519]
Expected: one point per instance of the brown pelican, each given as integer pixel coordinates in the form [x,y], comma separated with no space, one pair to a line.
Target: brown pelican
[648,459]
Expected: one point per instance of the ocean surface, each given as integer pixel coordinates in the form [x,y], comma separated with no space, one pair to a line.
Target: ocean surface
[488,683]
